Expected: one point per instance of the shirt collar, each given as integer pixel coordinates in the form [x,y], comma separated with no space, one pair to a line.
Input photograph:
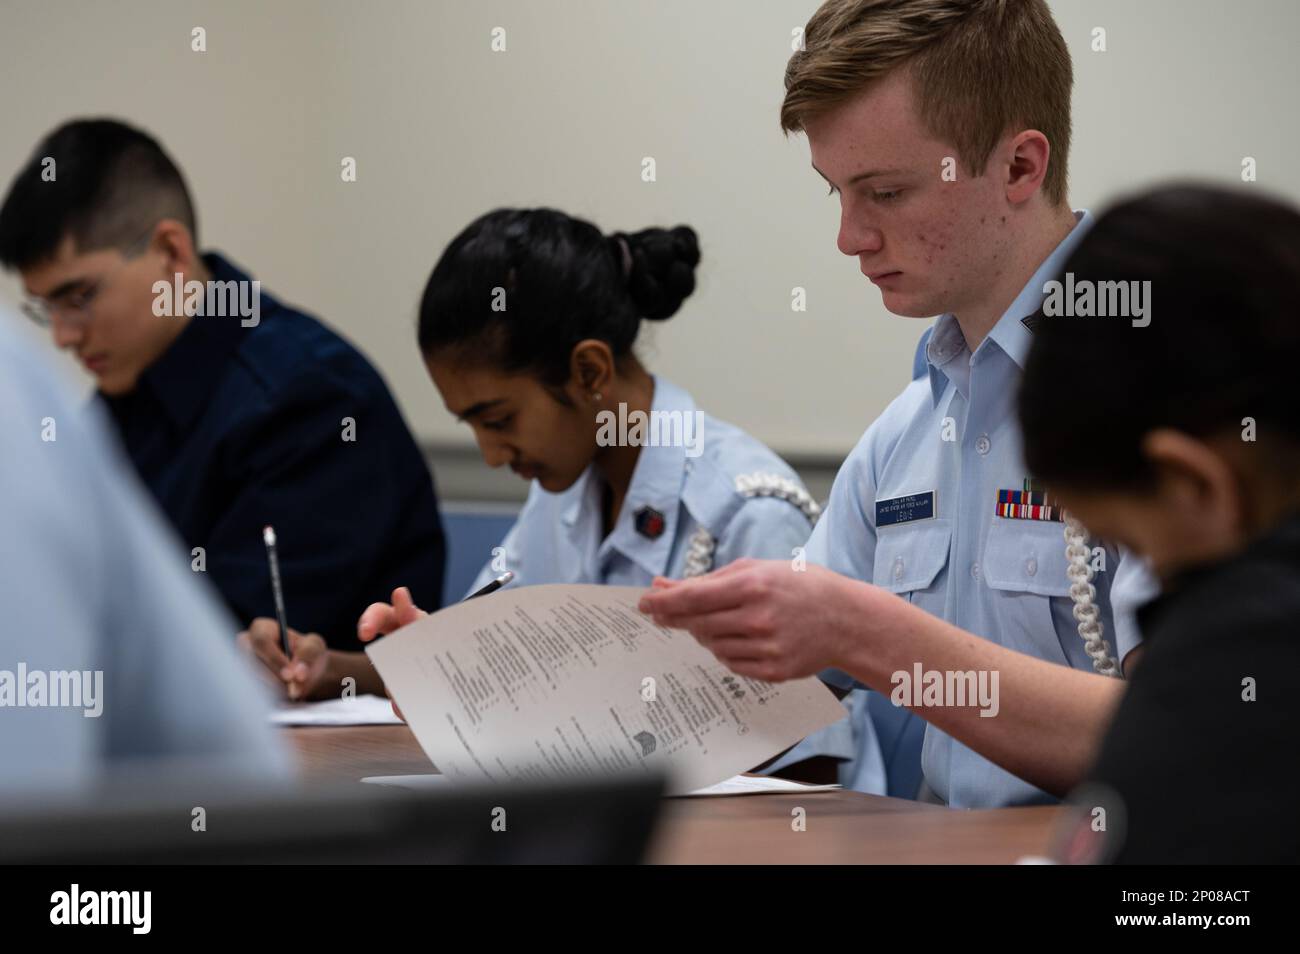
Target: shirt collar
[182,378]
[1009,333]
[656,483]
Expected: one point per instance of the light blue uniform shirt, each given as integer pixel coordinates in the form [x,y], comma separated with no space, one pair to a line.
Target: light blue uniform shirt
[92,579]
[559,538]
[1000,578]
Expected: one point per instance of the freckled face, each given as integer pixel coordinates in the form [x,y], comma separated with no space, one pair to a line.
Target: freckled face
[930,245]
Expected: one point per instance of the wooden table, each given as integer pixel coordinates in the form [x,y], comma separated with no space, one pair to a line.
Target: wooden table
[841,827]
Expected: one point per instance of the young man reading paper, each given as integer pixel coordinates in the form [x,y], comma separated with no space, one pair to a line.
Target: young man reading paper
[943,126]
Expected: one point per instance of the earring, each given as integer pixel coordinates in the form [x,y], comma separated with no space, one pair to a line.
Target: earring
[597,396]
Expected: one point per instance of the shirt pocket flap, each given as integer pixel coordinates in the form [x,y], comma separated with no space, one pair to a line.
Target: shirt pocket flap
[1027,556]
[909,558]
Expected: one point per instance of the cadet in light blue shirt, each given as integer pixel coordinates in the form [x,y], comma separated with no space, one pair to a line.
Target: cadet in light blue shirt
[928,476]
[527,326]
[97,590]
[687,510]
[915,511]
[947,565]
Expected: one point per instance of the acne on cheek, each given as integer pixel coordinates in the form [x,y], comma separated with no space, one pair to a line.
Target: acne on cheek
[932,243]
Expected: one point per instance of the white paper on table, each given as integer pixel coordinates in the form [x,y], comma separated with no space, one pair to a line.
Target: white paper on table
[547,682]
[736,785]
[358,710]
[416,783]
[760,785]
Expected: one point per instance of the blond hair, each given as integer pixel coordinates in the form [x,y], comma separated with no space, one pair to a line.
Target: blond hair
[979,68]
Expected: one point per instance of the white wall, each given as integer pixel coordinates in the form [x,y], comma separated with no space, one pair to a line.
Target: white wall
[443,130]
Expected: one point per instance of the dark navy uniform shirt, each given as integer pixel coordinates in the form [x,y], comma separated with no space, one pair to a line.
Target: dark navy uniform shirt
[235,427]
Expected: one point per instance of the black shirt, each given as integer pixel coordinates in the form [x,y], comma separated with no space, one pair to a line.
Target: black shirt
[1202,774]
[235,427]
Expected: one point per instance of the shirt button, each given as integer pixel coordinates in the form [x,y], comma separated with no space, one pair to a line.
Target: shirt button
[975,571]
[1031,566]
[983,444]
[898,568]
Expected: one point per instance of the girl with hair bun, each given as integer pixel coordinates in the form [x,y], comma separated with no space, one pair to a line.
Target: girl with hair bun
[527,327]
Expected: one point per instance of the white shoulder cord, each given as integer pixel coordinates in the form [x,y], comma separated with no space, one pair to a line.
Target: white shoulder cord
[702,546]
[699,553]
[1082,592]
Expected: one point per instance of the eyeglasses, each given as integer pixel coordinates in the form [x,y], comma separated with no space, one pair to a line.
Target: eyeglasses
[73,308]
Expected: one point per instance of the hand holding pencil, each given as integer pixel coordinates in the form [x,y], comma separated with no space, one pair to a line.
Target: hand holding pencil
[299,660]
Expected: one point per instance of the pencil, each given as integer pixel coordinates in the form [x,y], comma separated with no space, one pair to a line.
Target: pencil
[268,537]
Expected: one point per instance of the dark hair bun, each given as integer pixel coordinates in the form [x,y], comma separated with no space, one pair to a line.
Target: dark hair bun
[567,281]
[663,270]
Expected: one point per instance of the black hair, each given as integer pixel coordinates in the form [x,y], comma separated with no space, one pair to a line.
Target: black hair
[111,183]
[1224,267]
[518,288]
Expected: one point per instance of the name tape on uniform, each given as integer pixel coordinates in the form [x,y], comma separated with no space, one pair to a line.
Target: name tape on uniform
[905,509]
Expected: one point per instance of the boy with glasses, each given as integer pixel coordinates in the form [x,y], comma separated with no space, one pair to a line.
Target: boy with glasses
[238,411]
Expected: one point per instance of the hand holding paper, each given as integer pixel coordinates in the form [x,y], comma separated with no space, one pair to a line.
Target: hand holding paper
[548,682]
